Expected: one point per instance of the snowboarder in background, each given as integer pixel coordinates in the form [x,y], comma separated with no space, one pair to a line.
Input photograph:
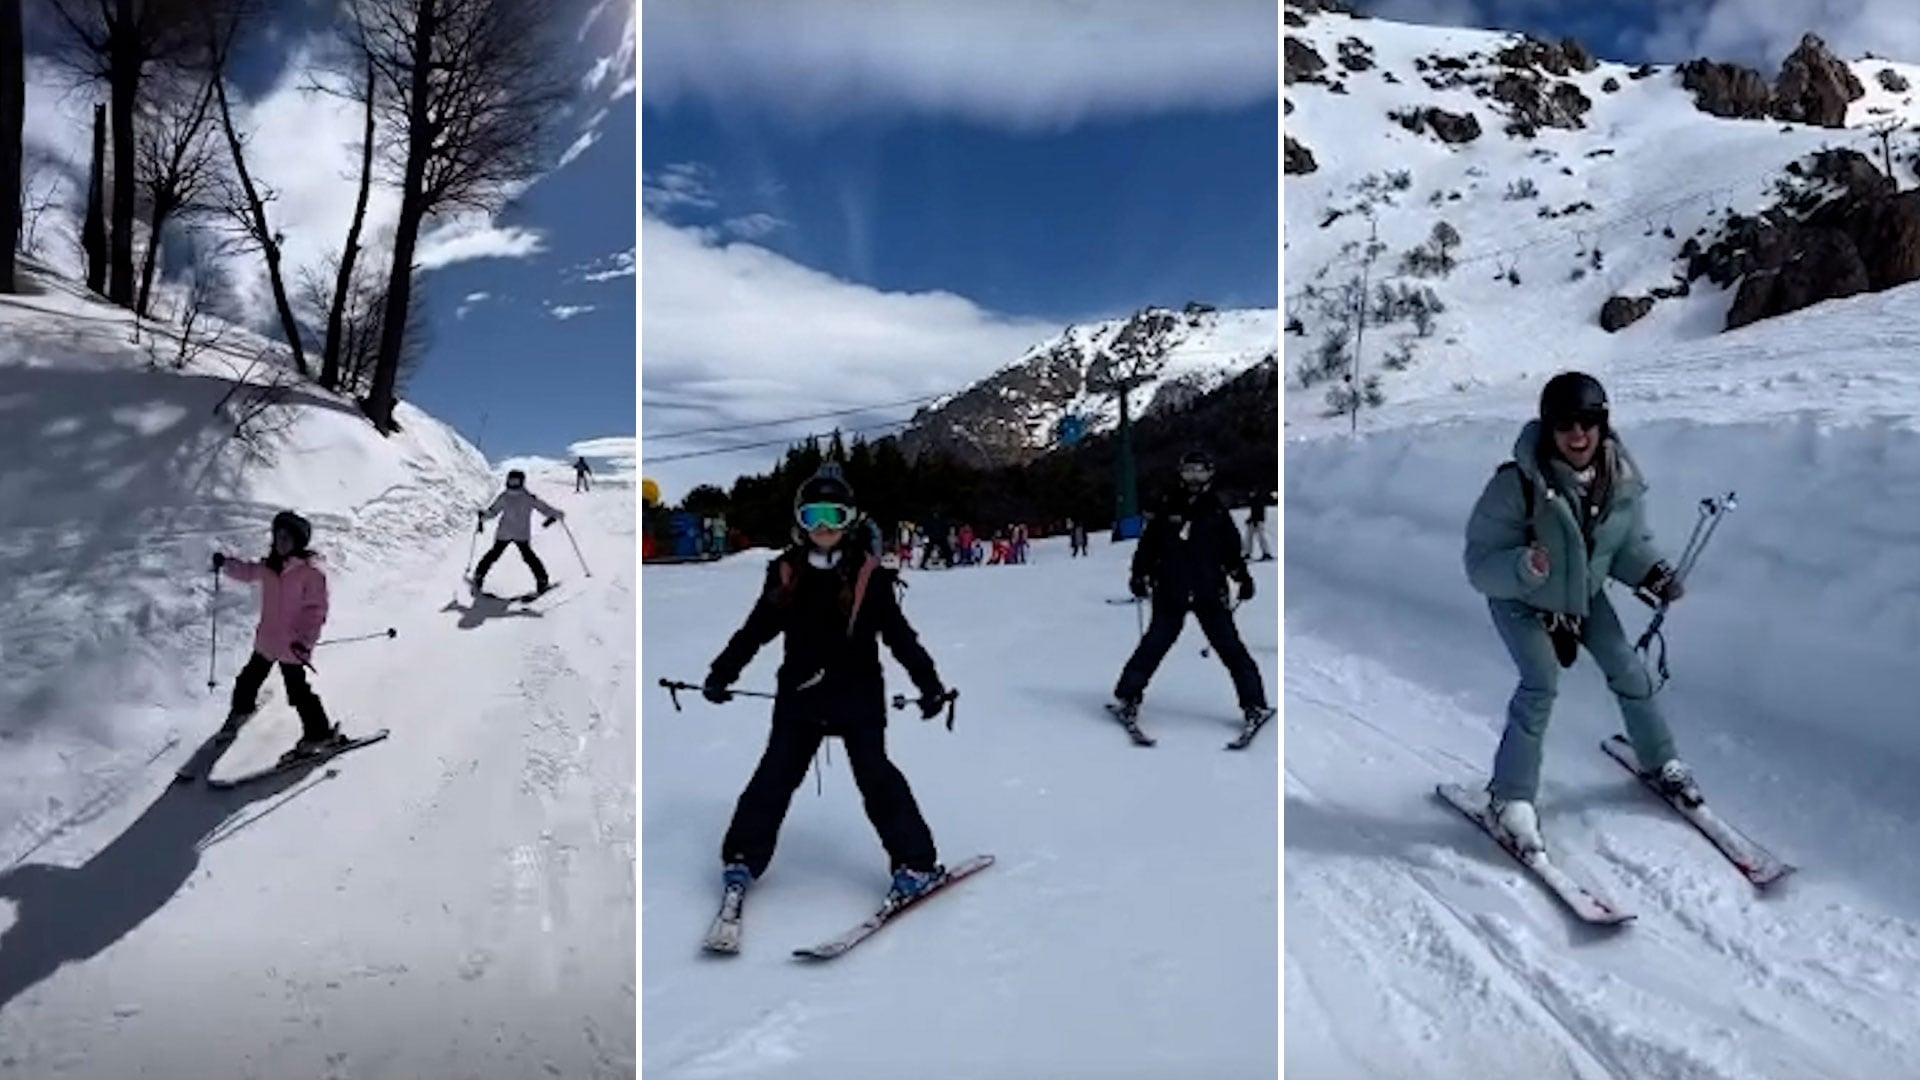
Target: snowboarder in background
[581,475]
[1549,529]
[293,611]
[1257,525]
[1187,553]
[834,603]
[515,506]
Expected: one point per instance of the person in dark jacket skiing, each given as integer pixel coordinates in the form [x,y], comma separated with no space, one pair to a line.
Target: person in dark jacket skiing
[582,475]
[1548,531]
[1187,553]
[293,609]
[834,604]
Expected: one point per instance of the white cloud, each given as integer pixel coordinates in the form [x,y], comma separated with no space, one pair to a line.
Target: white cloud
[752,226]
[733,333]
[468,239]
[469,302]
[1025,64]
[617,265]
[587,138]
[684,183]
[564,312]
[1763,32]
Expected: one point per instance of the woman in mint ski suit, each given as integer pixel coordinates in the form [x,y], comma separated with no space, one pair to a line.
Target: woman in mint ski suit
[1544,578]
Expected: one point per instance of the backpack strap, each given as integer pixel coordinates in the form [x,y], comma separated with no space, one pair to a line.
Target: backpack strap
[1526,493]
[867,567]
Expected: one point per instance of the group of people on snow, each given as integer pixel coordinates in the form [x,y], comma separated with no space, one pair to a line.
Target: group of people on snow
[832,600]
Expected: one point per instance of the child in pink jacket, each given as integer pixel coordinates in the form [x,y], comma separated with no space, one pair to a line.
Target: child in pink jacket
[293,608]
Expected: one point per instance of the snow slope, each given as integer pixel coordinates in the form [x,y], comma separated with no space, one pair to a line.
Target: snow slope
[1647,161]
[1128,929]
[1414,946]
[455,901]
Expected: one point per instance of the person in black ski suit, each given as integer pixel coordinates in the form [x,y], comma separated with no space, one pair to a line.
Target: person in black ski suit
[834,604]
[582,473]
[1186,555]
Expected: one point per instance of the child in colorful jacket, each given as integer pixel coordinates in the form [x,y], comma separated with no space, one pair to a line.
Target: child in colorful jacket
[293,610]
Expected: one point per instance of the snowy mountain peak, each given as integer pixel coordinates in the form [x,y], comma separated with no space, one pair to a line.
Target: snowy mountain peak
[1071,382]
[1510,206]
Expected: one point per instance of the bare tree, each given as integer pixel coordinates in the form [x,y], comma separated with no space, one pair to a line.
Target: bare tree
[335,306]
[362,309]
[93,233]
[176,164]
[13,118]
[117,42]
[208,288]
[469,88]
[245,201]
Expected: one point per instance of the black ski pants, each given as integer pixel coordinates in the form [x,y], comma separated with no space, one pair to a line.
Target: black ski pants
[1216,622]
[526,552]
[783,765]
[306,703]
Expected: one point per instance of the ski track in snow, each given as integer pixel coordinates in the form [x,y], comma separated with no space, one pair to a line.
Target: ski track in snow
[456,901]
[1129,927]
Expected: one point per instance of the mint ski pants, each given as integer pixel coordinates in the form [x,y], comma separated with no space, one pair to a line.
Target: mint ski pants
[1516,765]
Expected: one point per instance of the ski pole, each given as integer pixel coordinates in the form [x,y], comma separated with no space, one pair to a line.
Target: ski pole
[1712,512]
[673,689]
[901,701]
[389,632]
[213,621]
[576,547]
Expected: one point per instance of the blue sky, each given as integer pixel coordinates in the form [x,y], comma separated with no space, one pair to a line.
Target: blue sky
[1757,33]
[532,311]
[849,204]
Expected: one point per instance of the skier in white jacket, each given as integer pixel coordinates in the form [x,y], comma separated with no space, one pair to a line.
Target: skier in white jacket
[515,506]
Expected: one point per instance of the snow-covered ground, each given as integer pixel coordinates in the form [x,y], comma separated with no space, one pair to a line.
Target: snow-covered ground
[456,901]
[1414,946]
[1129,928]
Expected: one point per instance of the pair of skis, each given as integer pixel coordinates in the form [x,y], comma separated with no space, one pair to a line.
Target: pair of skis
[523,598]
[723,937]
[1754,862]
[203,760]
[1129,719]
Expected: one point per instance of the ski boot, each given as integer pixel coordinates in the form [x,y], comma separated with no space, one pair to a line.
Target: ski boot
[230,728]
[909,884]
[1675,781]
[314,746]
[1517,823]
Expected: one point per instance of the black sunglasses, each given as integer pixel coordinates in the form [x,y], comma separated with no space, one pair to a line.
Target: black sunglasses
[1592,419]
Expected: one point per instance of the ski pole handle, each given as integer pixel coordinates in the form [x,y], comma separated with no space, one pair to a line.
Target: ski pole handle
[901,701]
[673,688]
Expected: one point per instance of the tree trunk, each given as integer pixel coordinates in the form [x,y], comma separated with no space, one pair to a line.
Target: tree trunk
[13,114]
[393,323]
[330,362]
[124,83]
[162,210]
[93,234]
[257,223]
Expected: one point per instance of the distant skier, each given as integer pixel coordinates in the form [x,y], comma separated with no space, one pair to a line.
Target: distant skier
[582,475]
[1076,538]
[834,603]
[293,610]
[515,507]
[1257,526]
[1187,553]
[1549,529]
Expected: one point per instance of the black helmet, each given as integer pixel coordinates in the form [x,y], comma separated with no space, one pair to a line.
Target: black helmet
[295,526]
[1196,468]
[1570,395]
[826,486]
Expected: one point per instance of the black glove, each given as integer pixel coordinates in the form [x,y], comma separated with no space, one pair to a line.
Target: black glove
[1246,588]
[547,524]
[932,701]
[1138,587]
[219,560]
[716,690]
[1662,584]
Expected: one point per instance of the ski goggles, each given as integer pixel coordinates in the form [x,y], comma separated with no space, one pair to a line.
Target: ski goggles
[1591,419]
[824,515]
[1196,474]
